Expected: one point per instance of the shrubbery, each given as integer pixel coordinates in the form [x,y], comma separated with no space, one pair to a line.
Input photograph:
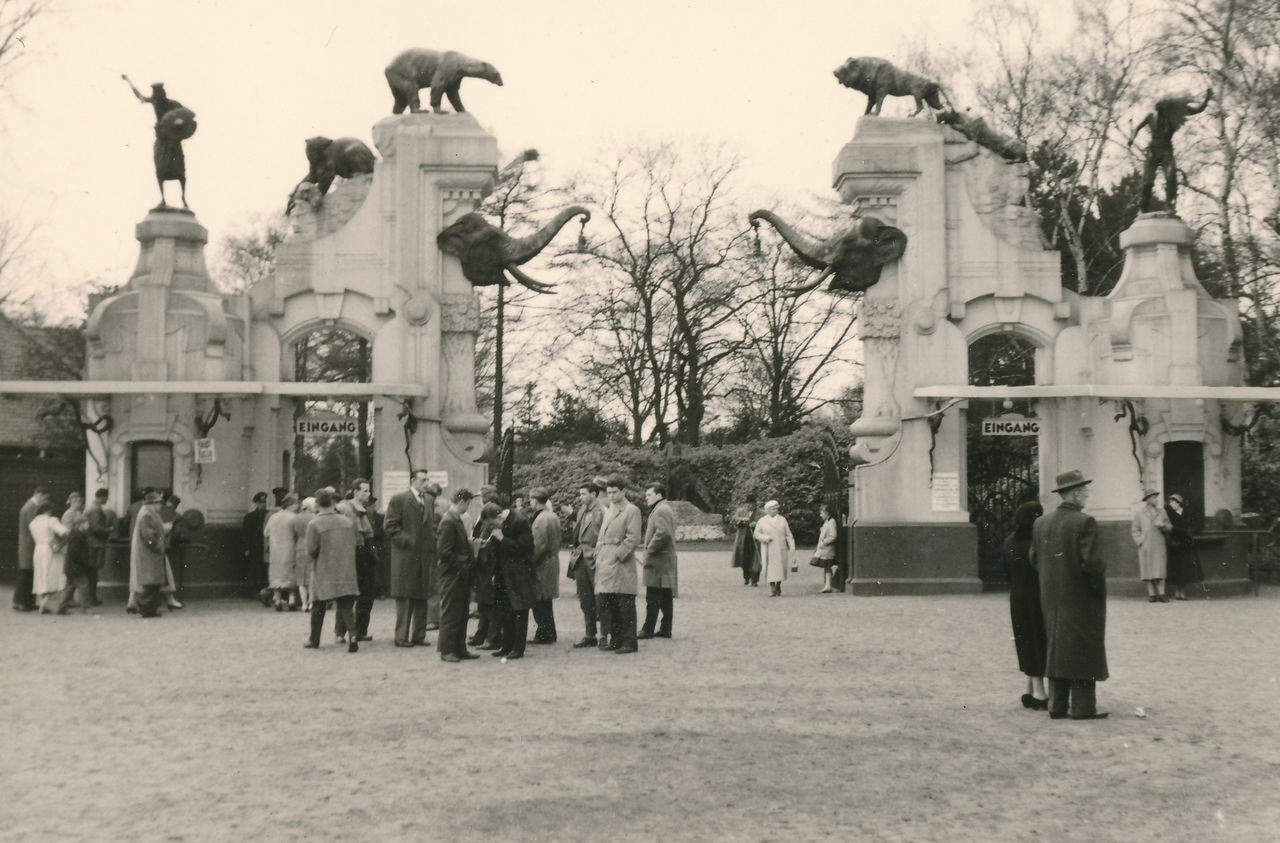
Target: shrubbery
[786,469]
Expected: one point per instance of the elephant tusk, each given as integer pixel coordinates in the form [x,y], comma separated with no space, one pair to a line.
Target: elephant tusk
[822,276]
[536,286]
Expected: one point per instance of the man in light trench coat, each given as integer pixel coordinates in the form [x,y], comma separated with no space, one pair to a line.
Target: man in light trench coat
[1073,596]
[659,562]
[616,581]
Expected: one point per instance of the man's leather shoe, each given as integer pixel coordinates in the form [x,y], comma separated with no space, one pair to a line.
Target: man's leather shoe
[1057,715]
[585,642]
[619,651]
[420,643]
[608,647]
[353,647]
[662,635]
[467,655]
[364,637]
[475,641]
[403,644]
[511,656]
[542,640]
[312,645]
[1097,715]
[490,646]
[644,635]
[497,654]
[449,657]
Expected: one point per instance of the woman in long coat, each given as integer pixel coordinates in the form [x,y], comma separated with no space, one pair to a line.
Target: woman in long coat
[282,548]
[1148,528]
[776,543]
[47,557]
[746,550]
[1024,605]
[1184,562]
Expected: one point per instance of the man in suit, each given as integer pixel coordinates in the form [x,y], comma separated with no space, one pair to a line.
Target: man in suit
[582,559]
[546,562]
[616,567]
[455,560]
[514,581]
[23,599]
[659,560]
[1073,598]
[411,528]
[102,525]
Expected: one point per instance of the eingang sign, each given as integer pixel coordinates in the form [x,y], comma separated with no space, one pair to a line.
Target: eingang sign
[1010,427]
[328,425]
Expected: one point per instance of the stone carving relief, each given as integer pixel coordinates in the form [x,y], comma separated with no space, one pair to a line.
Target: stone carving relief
[997,193]
[459,312]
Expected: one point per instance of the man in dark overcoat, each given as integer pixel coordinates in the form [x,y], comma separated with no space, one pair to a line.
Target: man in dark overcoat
[23,599]
[455,560]
[253,541]
[514,580]
[1073,597]
[410,526]
[488,625]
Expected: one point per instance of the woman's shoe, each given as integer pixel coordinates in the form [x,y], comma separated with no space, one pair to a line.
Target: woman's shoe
[1151,598]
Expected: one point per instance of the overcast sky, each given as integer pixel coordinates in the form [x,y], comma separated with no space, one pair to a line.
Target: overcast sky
[264,76]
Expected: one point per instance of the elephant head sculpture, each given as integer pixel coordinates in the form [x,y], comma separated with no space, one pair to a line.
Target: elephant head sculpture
[488,253]
[853,256]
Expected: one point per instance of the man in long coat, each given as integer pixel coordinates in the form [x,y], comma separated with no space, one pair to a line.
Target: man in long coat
[546,562]
[582,559]
[1148,529]
[146,554]
[455,560]
[331,546]
[23,599]
[616,582]
[410,526]
[102,526]
[356,508]
[514,580]
[488,624]
[1073,598]
[253,540]
[659,562]
[776,543]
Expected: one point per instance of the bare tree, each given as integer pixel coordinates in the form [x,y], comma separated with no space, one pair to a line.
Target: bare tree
[792,343]
[16,17]
[660,289]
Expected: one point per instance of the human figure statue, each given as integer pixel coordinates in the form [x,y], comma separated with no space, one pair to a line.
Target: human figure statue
[174,124]
[1166,118]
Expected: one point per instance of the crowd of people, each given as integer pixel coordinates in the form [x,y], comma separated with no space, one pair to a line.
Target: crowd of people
[446,555]
[60,557]
[763,543]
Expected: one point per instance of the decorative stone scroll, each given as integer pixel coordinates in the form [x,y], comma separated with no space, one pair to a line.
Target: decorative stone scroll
[459,312]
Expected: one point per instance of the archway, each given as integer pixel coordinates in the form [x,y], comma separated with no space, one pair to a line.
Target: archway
[1002,451]
[333,439]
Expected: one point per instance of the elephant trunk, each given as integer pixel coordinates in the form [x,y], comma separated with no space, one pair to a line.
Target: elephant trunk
[807,248]
[525,249]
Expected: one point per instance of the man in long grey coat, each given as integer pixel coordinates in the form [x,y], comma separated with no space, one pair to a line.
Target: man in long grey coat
[1073,597]
[147,564]
[23,599]
[410,526]
[616,568]
[331,548]
[546,563]
[659,560]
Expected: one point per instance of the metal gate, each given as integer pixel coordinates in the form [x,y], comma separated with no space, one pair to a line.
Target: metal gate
[1003,473]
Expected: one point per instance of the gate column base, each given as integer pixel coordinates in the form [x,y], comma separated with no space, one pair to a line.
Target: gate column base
[915,558]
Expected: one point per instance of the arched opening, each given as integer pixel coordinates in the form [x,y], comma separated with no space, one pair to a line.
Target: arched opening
[1184,475]
[333,439]
[1002,459]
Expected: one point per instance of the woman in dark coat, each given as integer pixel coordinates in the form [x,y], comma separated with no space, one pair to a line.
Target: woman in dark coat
[1184,562]
[746,551]
[1024,606]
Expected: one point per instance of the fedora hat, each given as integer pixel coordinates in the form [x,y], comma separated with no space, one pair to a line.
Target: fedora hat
[1068,480]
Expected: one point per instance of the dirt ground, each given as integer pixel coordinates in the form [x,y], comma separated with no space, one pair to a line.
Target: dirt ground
[806,717]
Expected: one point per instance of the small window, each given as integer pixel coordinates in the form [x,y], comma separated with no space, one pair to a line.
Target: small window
[152,466]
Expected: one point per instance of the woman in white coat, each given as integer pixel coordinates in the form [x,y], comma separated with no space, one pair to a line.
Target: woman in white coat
[776,543]
[48,559]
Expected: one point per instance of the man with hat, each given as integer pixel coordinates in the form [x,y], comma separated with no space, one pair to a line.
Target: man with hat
[146,554]
[1148,528]
[1073,597]
[253,540]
